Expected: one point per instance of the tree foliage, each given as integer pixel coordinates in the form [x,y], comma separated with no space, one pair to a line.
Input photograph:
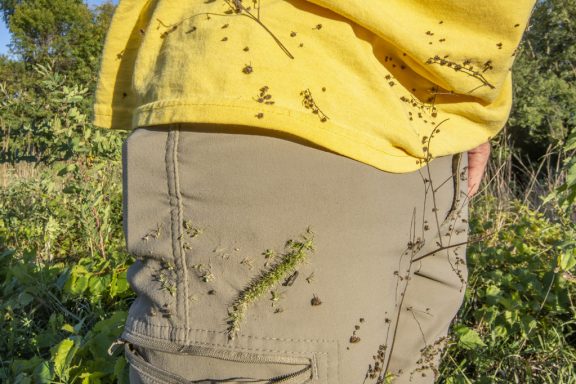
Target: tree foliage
[544,111]
[64,31]
[47,92]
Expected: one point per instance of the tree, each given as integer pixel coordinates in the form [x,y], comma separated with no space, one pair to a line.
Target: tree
[57,46]
[64,31]
[544,111]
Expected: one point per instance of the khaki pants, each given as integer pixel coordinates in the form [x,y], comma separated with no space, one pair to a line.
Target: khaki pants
[265,259]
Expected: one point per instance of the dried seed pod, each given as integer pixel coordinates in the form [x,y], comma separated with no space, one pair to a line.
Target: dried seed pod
[315,301]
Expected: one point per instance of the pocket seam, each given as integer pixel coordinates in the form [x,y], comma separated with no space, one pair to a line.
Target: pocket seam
[310,354]
[144,367]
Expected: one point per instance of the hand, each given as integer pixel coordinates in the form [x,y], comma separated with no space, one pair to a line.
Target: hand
[477,160]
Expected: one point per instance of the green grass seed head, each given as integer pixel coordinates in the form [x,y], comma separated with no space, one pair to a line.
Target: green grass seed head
[297,252]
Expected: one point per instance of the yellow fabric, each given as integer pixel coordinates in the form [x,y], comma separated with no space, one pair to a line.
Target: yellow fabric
[381,81]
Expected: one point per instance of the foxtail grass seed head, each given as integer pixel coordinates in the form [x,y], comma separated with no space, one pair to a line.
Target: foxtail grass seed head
[297,251]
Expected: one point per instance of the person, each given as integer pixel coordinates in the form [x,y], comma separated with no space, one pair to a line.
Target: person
[297,179]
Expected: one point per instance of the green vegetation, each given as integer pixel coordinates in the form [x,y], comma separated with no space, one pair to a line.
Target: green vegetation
[64,294]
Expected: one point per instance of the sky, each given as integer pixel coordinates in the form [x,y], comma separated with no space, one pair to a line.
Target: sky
[5,35]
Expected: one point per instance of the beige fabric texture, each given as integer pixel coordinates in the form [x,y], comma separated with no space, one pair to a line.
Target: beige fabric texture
[220,222]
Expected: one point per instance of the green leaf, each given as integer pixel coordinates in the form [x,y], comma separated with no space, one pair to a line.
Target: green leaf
[96,286]
[468,338]
[499,332]
[43,373]
[567,259]
[78,281]
[119,284]
[68,328]
[62,357]
[24,298]
[121,370]
[571,175]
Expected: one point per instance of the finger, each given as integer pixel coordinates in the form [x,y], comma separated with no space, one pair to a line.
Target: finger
[477,161]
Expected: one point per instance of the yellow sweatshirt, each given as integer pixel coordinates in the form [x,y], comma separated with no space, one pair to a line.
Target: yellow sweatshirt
[384,82]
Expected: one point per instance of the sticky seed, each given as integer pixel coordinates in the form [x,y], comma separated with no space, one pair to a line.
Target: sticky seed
[315,301]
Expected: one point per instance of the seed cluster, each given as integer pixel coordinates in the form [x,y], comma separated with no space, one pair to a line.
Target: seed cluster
[264,97]
[154,234]
[375,371]
[309,103]
[192,230]
[204,272]
[355,338]
[428,356]
[167,277]
[465,67]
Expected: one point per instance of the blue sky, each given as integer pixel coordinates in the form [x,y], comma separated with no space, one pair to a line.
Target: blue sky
[5,35]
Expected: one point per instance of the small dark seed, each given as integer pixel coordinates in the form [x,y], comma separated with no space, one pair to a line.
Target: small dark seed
[315,301]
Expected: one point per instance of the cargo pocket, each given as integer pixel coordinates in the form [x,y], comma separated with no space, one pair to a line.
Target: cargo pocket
[207,365]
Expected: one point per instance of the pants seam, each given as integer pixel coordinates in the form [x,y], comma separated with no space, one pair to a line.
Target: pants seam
[176,217]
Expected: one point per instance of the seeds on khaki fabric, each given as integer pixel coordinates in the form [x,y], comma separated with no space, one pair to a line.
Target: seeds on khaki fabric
[248,261]
[154,234]
[190,229]
[310,278]
[296,252]
[290,279]
[315,301]
[204,272]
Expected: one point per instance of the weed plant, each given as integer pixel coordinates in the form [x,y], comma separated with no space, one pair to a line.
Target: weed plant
[518,321]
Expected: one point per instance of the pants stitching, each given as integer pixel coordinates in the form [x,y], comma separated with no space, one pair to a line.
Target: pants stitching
[176,215]
[244,336]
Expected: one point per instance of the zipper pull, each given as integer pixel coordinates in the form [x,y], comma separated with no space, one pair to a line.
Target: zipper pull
[115,344]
